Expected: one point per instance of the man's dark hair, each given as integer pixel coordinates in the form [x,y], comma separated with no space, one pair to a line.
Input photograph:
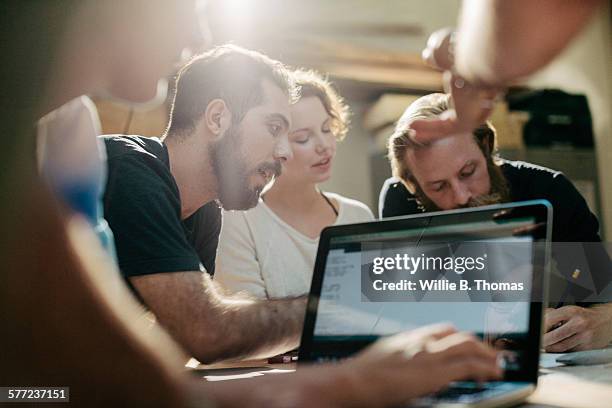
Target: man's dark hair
[226,72]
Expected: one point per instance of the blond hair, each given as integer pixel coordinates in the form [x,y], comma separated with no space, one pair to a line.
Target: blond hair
[427,107]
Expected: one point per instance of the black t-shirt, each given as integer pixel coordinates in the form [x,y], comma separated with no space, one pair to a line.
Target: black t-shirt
[143,208]
[573,222]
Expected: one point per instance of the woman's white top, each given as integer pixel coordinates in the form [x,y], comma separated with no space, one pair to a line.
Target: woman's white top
[263,255]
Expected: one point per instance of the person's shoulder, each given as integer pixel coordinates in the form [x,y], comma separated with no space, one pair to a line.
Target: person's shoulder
[233,217]
[524,169]
[395,199]
[531,181]
[392,182]
[77,118]
[118,146]
[136,154]
[73,109]
[254,226]
[138,165]
[345,200]
[132,143]
[242,218]
[354,209]
[393,187]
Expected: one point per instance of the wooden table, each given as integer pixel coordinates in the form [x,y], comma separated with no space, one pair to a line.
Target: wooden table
[563,387]
[573,387]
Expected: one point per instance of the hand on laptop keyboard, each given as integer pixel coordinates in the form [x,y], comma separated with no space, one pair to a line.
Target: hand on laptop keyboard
[419,362]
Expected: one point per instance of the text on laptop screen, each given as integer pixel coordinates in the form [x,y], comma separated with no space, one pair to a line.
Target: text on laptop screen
[476,276]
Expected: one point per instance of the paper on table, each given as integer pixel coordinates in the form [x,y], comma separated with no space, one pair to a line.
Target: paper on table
[548,360]
[232,377]
[246,375]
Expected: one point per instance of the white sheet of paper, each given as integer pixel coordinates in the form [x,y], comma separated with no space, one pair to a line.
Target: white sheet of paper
[548,360]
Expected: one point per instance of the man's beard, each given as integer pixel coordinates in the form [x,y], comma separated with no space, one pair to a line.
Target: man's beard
[230,167]
[499,193]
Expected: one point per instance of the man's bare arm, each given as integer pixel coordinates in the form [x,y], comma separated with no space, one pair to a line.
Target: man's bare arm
[213,326]
[388,373]
[499,41]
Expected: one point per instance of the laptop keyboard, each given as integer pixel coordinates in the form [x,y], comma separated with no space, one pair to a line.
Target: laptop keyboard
[454,392]
[465,392]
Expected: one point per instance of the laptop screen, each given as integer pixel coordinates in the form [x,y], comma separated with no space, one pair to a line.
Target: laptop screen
[479,270]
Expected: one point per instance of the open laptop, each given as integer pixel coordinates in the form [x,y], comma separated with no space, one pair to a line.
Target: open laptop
[497,257]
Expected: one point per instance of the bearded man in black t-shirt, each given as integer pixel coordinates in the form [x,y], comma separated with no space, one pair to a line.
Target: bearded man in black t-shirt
[226,140]
[464,170]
